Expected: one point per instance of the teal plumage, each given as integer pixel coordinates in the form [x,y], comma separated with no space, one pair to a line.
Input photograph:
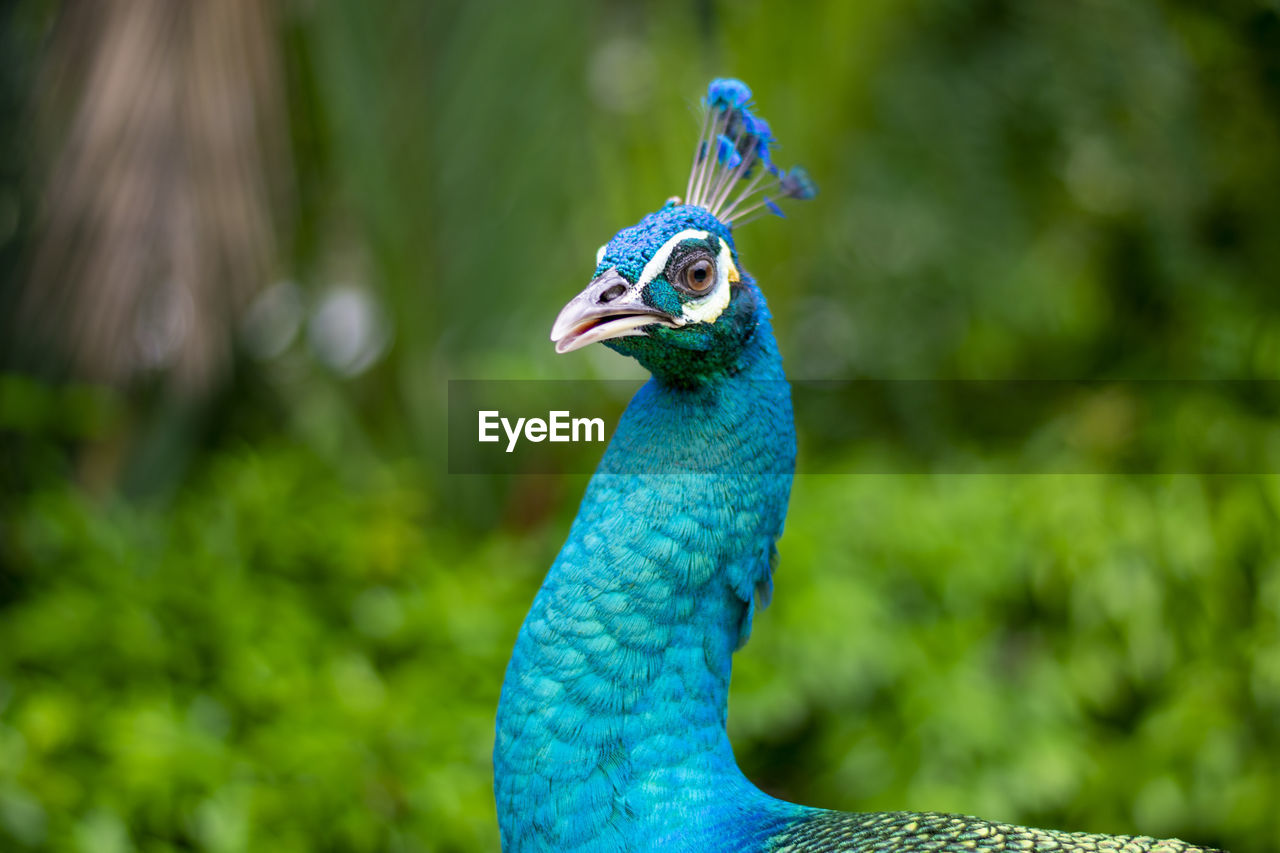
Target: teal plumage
[611,726]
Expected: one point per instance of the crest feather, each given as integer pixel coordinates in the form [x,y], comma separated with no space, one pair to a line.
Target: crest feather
[734,155]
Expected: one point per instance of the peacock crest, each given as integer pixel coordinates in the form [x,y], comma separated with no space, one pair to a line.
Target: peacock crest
[733,176]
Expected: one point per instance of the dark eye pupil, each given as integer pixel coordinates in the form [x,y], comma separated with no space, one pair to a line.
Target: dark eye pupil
[698,276]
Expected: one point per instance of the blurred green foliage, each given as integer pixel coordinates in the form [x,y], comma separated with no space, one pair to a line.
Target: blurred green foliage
[278,661]
[270,621]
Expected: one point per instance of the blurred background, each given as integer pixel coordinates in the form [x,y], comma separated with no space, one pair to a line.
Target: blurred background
[244,245]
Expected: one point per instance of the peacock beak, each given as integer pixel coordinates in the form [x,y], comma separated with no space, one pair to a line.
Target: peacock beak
[609,307]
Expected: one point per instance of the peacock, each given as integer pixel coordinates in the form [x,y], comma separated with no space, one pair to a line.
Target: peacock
[610,732]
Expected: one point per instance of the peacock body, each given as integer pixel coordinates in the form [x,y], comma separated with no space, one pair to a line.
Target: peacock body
[611,727]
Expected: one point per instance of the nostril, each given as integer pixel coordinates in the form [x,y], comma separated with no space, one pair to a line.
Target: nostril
[612,293]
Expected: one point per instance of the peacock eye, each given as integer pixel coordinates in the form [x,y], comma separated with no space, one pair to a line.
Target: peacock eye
[700,275]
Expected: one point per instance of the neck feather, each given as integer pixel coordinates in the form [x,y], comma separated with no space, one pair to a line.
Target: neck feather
[612,719]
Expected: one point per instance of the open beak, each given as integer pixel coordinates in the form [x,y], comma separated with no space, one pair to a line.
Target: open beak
[610,307]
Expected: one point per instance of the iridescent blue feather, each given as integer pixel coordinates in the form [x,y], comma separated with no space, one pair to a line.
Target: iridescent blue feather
[741,180]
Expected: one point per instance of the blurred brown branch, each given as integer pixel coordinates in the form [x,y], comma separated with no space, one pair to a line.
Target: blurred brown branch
[166,127]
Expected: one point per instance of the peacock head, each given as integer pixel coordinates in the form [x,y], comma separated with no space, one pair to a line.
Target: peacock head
[669,290]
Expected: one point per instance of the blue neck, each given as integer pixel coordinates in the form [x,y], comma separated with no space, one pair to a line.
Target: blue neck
[611,728]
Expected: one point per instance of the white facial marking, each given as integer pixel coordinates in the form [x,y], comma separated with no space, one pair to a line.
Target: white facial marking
[658,262]
[710,307]
[600,253]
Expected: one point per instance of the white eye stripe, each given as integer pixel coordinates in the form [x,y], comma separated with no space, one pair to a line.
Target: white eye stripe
[658,263]
[710,307]
[600,253]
